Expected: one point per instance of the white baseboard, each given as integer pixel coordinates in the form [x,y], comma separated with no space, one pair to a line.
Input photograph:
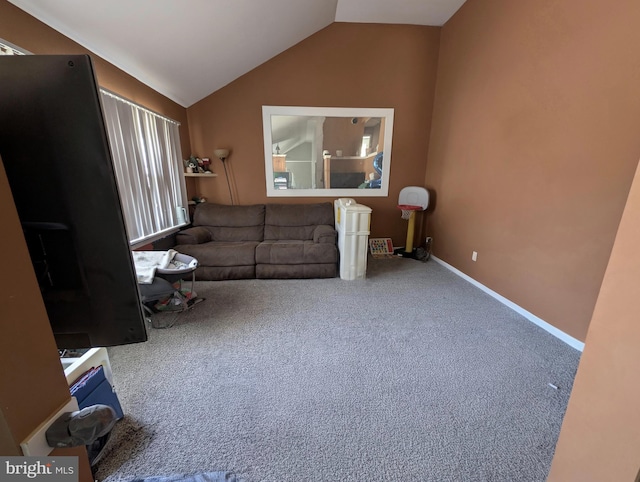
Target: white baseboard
[561,335]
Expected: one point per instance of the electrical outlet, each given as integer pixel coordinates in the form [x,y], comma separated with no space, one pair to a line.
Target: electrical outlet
[474,256]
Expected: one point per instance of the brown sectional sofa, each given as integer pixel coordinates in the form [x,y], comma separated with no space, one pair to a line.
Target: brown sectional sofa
[262,241]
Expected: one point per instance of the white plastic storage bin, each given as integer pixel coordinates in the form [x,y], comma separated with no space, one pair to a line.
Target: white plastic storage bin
[353,223]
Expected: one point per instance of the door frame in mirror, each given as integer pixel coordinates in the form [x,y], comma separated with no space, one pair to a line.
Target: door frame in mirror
[350,112]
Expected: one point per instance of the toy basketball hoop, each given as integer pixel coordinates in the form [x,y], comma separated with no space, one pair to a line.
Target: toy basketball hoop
[411,199]
[408,210]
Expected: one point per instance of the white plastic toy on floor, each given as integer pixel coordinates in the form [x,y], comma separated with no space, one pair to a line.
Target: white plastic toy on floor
[410,200]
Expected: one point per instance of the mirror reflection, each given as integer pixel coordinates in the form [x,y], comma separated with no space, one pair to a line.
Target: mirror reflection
[314,151]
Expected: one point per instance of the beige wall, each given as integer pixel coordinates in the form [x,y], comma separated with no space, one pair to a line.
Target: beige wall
[600,436]
[533,147]
[326,69]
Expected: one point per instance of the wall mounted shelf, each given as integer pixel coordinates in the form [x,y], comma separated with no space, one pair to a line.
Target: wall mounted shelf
[198,174]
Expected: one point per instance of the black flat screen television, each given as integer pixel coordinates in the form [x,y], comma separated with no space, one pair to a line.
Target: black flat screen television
[55,151]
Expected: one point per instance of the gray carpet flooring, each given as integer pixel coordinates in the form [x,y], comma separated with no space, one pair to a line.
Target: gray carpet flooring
[410,375]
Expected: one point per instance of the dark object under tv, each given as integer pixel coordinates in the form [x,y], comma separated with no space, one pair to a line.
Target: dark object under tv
[55,151]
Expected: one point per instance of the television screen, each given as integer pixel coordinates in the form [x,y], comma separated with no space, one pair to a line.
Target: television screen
[347,179]
[55,151]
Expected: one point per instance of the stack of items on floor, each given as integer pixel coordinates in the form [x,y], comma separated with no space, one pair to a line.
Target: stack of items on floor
[93,388]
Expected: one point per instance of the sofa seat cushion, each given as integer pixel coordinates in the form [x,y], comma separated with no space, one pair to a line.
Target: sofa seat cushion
[221,253]
[296,252]
[288,271]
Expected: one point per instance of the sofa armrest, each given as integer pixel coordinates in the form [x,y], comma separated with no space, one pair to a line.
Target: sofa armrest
[195,235]
[325,234]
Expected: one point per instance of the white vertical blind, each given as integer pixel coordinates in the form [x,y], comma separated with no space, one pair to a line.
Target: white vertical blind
[148,164]
[7,48]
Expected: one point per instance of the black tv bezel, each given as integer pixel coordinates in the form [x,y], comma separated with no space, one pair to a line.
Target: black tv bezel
[55,151]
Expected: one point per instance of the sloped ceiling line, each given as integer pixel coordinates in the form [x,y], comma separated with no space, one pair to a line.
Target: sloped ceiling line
[187,50]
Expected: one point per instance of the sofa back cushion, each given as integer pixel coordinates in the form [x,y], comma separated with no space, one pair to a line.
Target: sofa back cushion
[231,223]
[295,221]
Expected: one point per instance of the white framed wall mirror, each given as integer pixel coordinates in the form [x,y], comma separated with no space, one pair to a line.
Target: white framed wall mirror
[327,151]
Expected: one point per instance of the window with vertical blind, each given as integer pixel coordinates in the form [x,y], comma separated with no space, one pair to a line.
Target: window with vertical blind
[7,48]
[147,159]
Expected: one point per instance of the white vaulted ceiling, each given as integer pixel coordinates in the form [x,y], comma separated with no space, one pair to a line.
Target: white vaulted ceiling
[187,49]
